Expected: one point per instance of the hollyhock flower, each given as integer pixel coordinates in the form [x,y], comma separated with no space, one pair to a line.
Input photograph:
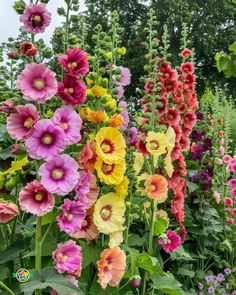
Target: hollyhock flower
[233,212]
[110,145]
[111,267]
[37,83]
[172,117]
[222,151]
[28,49]
[217,197]
[35,18]
[71,217]
[46,140]
[8,211]
[35,199]
[75,62]
[186,52]
[171,242]
[187,67]
[120,91]
[231,167]
[13,55]
[133,133]
[156,187]
[156,143]
[97,116]
[230,220]
[59,174]
[122,188]
[228,202]
[72,90]
[197,135]
[68,258]
[88,229]
[109,213]
[73,281]
[87,157]
[227,158]
[125,116]
[149,86]
[189,80]
[199,116]
[233,192]
[125,76]
[189,120]
[117,120]
[6,106]
[21,122]
[70,122]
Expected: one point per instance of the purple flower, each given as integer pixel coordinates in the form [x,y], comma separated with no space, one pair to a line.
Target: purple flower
[125,76]
[200,286]
[220,277]
[209,279]
[120,91]
[234,292]
[197,135]
[133,135]
[210,290]
[227,271]
[199,116]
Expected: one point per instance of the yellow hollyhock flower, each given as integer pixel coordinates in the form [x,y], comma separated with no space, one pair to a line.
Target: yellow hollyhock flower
[84,113]
[110,102]
[98,91]
[168,165]
[111,174]
[116,238]
[138,162]
[89,81]
[170,137]
[109,213]
[110,145]
[121,50]
[97,117]
[122,188]
[156,143]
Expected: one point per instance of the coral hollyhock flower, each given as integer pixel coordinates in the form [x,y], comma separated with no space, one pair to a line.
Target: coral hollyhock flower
[156,187]
[75,62]
[59,174]
[172,117]
[116,121]
[189,120]
[21,122]
[171,242]
[71,217]
[111,174]
[35,18]
[156,143]
[70,122]
[125,76]
[186,52]
[111,267]
[46,140]
[73,281]
[187,67]
[72,91]
[110,145]
[88,229]
[37,83]
[87,157]
[28,49]
[8,211]
[68,258]
[35,199]
[109,213]
[228,202]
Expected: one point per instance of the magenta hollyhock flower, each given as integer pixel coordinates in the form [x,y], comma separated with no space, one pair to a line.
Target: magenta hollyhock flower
[232,182]
[231,167]
[35,199]
[72,215]
[37,83]
[125,76]
[70,122]
[75,62]
[72,90]
[21,122]
[8,211]
[68,258]
[35,18]
[171,242]
[59,174]
[46,140]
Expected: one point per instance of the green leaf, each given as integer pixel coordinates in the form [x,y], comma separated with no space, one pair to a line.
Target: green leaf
[181,254]
[167,284]
[227,244]
[232,47]
[5,154]
[47,218]
[14,250]
[149,263]
[3,132]
[160,226]
[96,289]
[133,260]
[48,277]
[135,240]
[90,253]
[192,186]
[186,272]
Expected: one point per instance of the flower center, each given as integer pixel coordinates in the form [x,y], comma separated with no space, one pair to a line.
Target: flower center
[69,90]
[109,267]
[107,147]
[107,169]
[84,223]
[69,216]
[39,84]
[152,187]
[64,126]
[37,19]
[63,258]
[72,65]
[47,139]
[28,123]
[154,144]
[39,196]
[57,173]
[106,212]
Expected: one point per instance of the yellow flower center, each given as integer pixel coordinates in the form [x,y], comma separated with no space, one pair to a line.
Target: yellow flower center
[69,90]
[64,126]
[106,168]
[28,123]
[109,266]
[39,84]
[69,216]
[152,187]
[63,258]
[105,148]
[57,173]
[39,196]
[84,223]
[37,18]
[106,212]
[154,144]
[72,65]
[47,139]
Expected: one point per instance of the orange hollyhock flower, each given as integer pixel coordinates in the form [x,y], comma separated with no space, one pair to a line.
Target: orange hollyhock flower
[116,120]
[220,120]
[221,133]
[156,187]
[87,157]
[111,267]
[97,117]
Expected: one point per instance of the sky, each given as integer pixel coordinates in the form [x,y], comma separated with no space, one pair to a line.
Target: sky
[9,19]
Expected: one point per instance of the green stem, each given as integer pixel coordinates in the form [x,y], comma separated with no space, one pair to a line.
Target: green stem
[3,286]
[150,244]
[46,232]
[38,248]
[67,26]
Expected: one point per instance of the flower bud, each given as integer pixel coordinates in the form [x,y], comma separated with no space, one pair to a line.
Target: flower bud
[136,281]
[15,149]
[19,6]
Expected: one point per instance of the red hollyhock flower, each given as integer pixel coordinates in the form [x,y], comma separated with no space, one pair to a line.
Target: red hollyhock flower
[189,120]
[28,49]
[187,67]
[190,79]
[72,90]
[149,86]
[186,52]
[185,143]
[173,117]
[178,133]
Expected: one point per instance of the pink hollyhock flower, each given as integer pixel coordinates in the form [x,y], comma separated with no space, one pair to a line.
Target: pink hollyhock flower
[73,281]
[88,230]
[125,116]
[228,202]
[88,156]
[70,122]
[35,199]
[28,49]
[231,167]
[230,220]
[71,217]
[189,120]
[6,106]
[227,158]
[68,258]
[8,211]
[220,161]
[46,140]
[187,67]
[133,133]
[37,83]
[15,149]
[232,183]
[171,242]
[59,174]
[35,18]
[72,90]
[173,117]
[120,91]
[75,62]
[125,76]
[21,122]
[186,52]
[217,197]
[234,212]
